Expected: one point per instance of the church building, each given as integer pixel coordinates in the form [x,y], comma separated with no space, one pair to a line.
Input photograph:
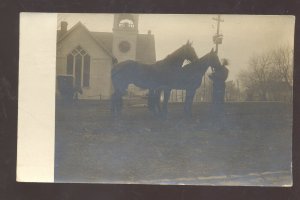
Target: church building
[86,57]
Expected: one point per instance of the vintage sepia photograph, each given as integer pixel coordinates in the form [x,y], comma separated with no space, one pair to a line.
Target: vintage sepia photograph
[174,99]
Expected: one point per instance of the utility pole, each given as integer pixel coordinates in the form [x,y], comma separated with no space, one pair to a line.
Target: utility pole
[217,38]
[238,87]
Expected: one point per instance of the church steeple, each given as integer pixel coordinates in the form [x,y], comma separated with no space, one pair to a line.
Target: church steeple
[125,34]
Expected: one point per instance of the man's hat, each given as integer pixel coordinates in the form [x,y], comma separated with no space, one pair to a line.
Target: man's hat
[225,62]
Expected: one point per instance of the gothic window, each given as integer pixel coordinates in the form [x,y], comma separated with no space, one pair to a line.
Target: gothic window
[78,65]
[86,71]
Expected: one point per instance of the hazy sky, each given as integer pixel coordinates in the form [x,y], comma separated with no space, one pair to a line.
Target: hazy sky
[244,35]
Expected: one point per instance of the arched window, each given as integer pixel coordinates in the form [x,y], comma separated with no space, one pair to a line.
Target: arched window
[78,65]
[126,23]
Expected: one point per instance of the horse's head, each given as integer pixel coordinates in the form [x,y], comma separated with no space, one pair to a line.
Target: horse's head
[214,60]
[189,52]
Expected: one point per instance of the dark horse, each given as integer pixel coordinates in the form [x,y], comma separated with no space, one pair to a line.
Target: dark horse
[189,78]
[146,76]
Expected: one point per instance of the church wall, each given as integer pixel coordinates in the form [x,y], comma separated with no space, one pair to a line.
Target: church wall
[100,63]
[100,83]
[61,63]
[124,36]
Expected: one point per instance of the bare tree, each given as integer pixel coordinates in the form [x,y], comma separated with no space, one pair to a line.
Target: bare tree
[282,62]
[282,59]
[232,92]
[257,77]
[269,76]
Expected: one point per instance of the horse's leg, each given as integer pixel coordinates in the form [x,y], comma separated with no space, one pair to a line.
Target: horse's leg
[167,93]
[120,87]
[154,101]
[114,104]
[118,103]
[188,102]
[151,96]
[157,101]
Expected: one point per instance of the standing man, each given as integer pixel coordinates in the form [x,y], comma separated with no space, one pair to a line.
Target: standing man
[219,76]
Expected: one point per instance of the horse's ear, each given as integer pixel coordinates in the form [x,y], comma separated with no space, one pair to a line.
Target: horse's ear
[191,43]
[212,50]
[188,42]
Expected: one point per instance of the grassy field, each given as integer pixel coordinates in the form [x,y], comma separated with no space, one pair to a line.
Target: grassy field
[250,145]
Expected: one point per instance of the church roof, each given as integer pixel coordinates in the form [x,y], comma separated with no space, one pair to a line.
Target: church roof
[61,35]
[145,50]
[105,38]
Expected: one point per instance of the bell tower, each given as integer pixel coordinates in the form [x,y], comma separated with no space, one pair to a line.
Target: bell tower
[125,31]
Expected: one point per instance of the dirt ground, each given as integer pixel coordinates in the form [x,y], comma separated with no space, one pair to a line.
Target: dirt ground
[250,145]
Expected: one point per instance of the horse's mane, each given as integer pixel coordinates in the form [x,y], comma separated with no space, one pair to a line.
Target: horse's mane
[170,56]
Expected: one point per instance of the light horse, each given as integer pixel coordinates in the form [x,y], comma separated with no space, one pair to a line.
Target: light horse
[189,78]
[146,76]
